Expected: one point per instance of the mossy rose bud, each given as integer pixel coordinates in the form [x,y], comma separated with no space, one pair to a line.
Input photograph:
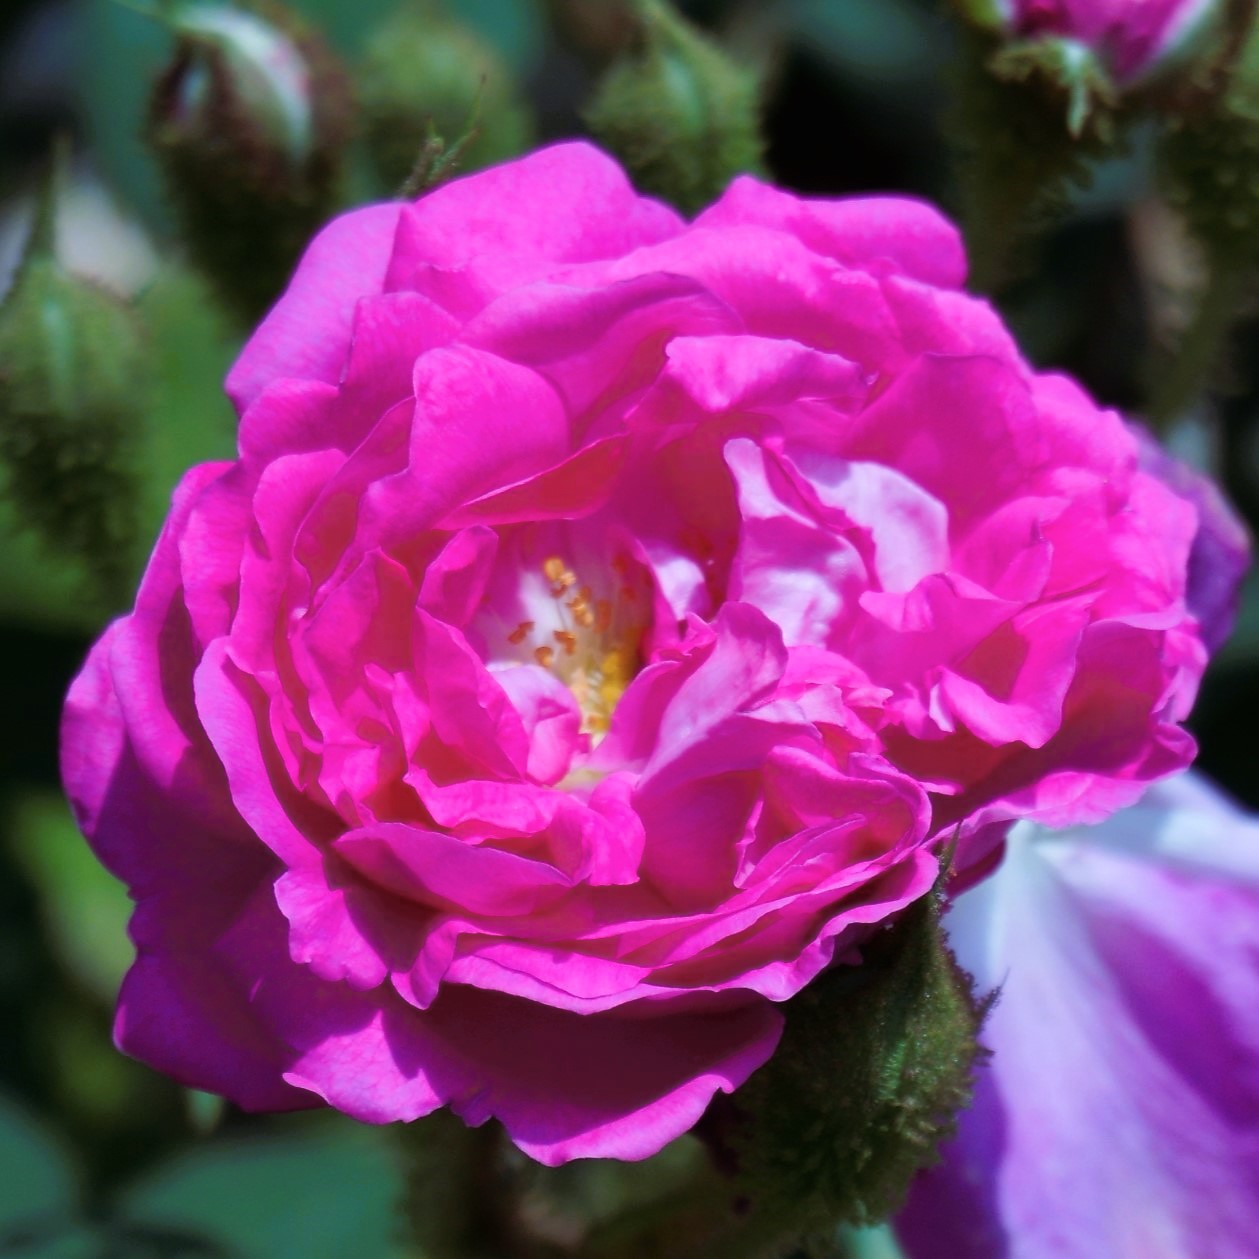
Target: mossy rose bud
[249,121]
[681,115]
[1130,39]
[73,373]
[422,73]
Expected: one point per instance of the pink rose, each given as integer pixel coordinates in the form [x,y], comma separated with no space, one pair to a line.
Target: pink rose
[605,622]
[1130,37]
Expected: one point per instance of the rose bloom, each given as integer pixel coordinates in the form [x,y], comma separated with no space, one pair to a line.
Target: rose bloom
[1119,1112]
[1130,37]
[604,625]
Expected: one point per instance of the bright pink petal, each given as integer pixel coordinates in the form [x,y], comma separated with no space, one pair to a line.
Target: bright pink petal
[307,333]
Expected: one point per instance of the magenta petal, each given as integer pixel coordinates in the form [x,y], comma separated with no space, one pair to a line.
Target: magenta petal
[599,345]
[435,869]
[606,621]
[307,331]
[569,203]
[859,231]
[567,1086]
[747,659]
[180,1009]
[725,373]
[467,440]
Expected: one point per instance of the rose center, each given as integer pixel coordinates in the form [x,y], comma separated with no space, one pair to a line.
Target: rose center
[587,633]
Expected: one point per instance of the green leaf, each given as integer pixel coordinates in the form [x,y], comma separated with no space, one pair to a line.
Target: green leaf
[85,907]
[326,1189]
[37,1181]
[870,1243]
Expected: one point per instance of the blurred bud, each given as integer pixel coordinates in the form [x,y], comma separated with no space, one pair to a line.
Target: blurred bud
[874,1064]
[424,76]
[249,122]
[681,116]
[74,373]
[1131,40]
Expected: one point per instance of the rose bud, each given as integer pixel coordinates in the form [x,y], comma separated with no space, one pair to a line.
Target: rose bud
[424,74]
[681,115]
[73,373]
[607,625]
[249,121]
[1126,40]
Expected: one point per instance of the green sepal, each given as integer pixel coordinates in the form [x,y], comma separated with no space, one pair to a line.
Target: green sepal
[421,79]
[679,113]
[1072,77]
[875,1062]
[252,163]
[74,379]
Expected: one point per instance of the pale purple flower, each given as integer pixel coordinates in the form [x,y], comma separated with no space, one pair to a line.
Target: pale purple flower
[1118,1116]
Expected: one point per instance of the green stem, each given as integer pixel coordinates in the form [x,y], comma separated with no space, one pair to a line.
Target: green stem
[1187,374]
[462,1199]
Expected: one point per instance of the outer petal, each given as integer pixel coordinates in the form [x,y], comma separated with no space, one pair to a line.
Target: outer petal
[307,333]
[180,1009]
[859,231]
[1120,1113]
[564,1086]
[1220,553]
[565,204]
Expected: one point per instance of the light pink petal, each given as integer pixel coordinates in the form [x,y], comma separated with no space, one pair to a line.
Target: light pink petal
[802,573]
[907,527]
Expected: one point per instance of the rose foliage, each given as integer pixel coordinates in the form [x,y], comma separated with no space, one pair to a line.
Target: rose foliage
[605,623]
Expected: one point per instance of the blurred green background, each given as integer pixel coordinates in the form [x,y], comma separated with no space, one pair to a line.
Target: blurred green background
[98,1155]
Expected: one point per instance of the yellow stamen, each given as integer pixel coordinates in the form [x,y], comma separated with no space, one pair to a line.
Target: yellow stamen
[520,633]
